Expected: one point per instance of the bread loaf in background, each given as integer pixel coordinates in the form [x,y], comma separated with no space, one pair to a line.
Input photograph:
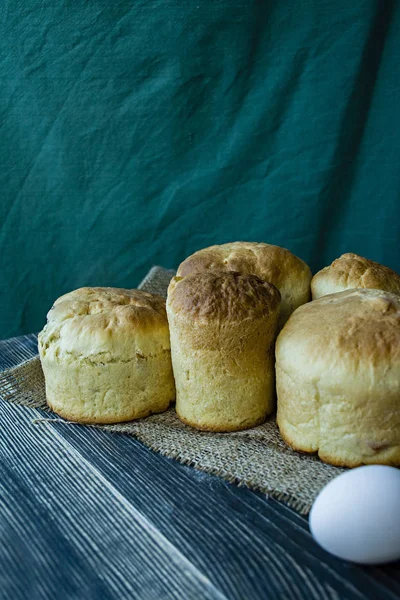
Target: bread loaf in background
[274,264]
[106,356]
[351,271]
[338,378]
[223,327]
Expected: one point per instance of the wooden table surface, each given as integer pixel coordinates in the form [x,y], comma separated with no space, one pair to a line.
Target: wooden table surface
[89,514]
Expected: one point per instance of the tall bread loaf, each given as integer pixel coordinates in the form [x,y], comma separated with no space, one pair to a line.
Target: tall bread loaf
[223,327]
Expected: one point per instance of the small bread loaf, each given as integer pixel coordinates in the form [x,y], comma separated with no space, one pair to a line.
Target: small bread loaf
[106,356]
[222,327]
[338,378]
[271,263]
[351,271]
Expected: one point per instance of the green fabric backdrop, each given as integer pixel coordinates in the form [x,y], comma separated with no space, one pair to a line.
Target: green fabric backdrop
[135,132]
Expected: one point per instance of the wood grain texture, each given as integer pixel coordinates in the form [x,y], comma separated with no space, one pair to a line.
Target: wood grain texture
[204,516]
[89,514]
[16,350]
[74,527]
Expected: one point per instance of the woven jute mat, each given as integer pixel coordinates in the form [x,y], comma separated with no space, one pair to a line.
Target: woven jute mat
[257,458]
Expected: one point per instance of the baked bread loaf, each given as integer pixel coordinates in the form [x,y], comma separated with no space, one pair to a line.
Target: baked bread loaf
[106,356]
[271,263]
[351,271]
[222,327]
[338,378]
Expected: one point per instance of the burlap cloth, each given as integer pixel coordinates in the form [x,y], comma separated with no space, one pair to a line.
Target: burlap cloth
[257,458]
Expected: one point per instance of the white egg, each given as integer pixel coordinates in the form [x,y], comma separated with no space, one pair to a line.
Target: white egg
[357,515]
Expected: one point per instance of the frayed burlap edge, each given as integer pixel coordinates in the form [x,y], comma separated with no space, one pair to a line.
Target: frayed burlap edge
[257,458]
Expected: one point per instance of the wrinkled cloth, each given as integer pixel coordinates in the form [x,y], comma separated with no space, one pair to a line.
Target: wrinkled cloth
[133,133]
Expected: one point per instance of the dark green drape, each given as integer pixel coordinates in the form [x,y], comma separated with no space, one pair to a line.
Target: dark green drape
[135,132]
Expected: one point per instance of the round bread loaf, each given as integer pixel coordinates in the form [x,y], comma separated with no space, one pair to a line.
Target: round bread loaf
[338,378]
[106,356]
[271,263]
[223,327]
[351,271]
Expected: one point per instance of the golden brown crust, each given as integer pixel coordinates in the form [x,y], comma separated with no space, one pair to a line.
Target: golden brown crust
[105,322]
[100,304]
[222,296]
[288,273]
[346,323]
[351,271]
[270,263]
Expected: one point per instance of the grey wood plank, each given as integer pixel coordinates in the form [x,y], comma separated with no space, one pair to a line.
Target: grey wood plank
[254,544]
[379,580]
[177,499]
[15,350]
[67,532]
